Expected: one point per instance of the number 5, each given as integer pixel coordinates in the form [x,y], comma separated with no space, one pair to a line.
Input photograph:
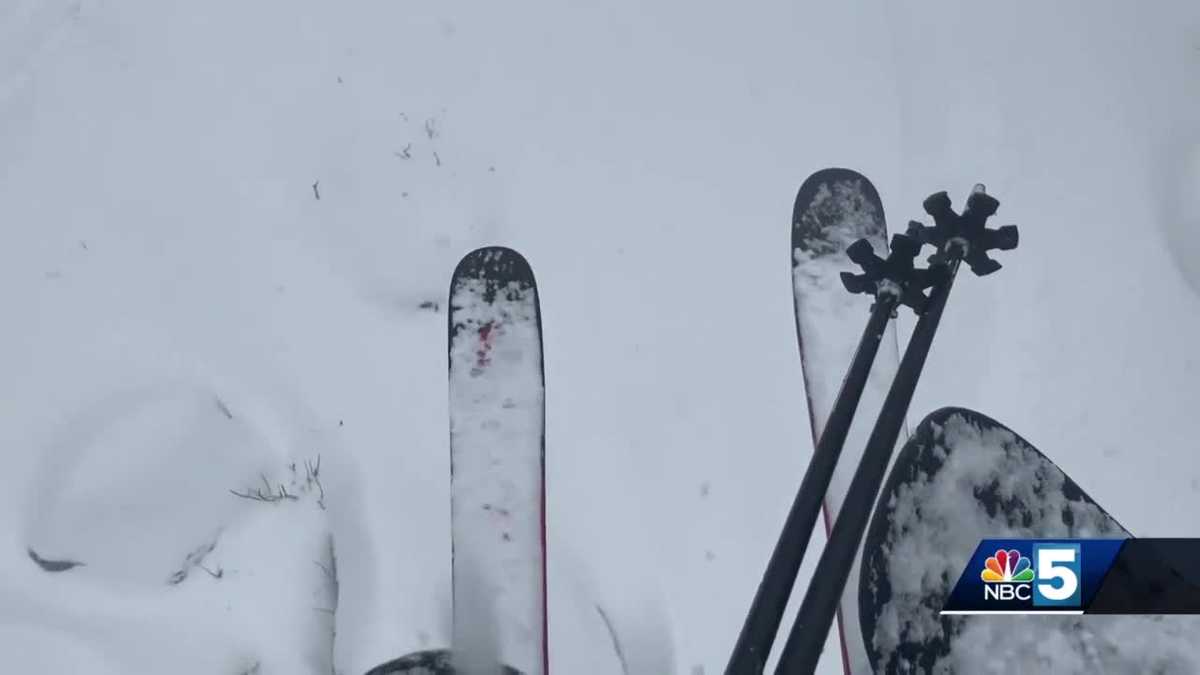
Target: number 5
[1048,560]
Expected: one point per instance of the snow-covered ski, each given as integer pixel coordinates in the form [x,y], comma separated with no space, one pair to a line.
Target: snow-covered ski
[961,477]
[497,452]
[958,238]
[497,463]
[834,208]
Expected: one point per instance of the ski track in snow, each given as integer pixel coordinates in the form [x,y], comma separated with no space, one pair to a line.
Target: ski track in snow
[136,490]
[261,205]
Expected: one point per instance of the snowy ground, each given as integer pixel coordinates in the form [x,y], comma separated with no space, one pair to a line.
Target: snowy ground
[220,221]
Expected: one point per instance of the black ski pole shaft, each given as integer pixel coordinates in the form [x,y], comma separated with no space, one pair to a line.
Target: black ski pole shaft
[770,601]
[803,647]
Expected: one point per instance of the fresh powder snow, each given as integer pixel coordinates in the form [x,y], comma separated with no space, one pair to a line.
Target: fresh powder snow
[227,230]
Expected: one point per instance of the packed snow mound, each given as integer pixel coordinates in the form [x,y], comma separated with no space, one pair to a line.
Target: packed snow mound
[172,499]
[132,486]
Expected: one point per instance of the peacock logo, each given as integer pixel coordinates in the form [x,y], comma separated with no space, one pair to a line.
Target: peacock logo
[1007,567]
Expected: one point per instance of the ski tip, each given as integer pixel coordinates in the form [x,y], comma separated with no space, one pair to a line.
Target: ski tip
[939,417]
[836,173]
[431,662]
[834,207]
[830,176]
[934,422]
[495,263]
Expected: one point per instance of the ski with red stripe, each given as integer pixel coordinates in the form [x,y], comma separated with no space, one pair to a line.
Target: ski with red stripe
[497,455]
[834,208]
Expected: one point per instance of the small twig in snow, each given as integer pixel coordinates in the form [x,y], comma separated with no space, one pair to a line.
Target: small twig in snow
[612,633]
[270,494]
[314,478]
[328,572]
[195,559]
[52,565]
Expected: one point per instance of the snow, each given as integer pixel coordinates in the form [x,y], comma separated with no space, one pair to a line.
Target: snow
[164,247]
[1181,217]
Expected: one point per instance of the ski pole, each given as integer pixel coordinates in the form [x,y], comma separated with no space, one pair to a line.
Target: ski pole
[803,647]
[958,238]
[770,600]
[887,279]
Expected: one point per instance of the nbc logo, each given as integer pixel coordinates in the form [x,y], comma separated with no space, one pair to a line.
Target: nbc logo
[1007,576]
[1007,566]
[1032,576]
